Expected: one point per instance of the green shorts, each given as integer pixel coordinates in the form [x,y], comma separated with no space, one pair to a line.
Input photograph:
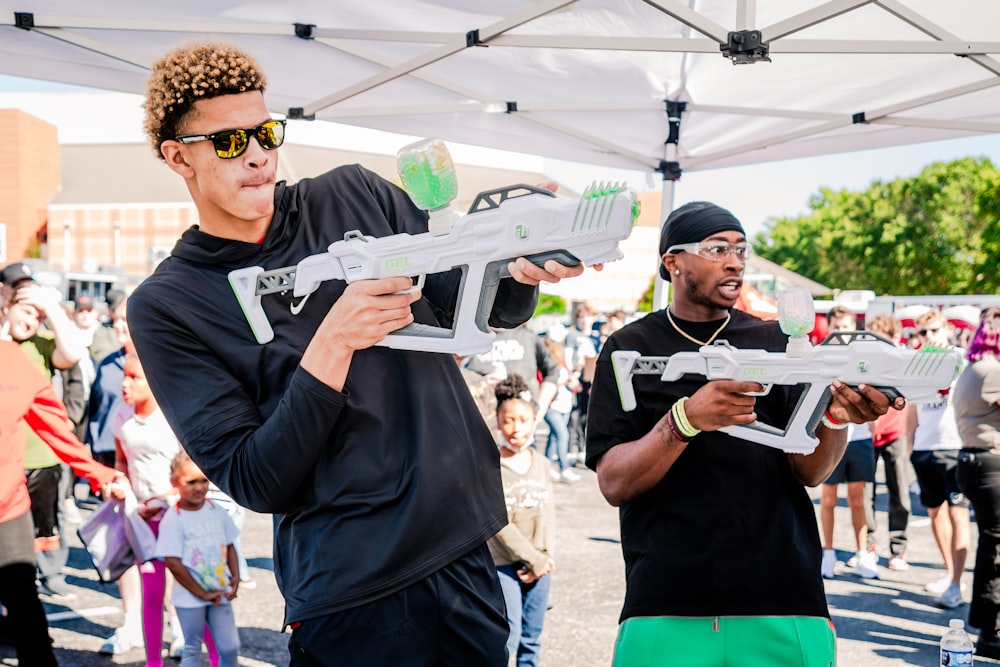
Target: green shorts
[726,641]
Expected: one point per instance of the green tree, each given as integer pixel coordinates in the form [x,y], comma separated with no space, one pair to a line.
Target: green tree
[549,303]
[988,267]
[935,233]
[645,304]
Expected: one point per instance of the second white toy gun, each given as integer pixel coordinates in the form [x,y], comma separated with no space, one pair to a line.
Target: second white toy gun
[502,225]
[855,357]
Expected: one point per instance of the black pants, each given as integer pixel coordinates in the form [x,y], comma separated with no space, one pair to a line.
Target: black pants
[46,487]
[26,623]
[897,484]
[979,480]
[453,618]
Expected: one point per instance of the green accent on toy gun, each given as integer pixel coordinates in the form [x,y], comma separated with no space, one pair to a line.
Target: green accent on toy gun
[602,189]
[397,263]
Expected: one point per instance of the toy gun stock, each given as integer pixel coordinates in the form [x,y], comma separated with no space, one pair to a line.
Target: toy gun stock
[856,357]
[502,225]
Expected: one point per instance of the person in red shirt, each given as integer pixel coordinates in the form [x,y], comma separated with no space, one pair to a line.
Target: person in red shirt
[893,446]
[26,395]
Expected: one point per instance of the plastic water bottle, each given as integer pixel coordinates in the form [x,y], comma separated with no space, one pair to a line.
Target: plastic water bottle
[956,646]
[797,317]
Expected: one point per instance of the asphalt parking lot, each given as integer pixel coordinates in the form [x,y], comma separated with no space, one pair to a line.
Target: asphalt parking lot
[886,622]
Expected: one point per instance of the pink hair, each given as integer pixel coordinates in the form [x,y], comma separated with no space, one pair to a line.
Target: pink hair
[987,337]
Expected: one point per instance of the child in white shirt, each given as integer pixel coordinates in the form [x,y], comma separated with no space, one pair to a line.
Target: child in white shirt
[196,542]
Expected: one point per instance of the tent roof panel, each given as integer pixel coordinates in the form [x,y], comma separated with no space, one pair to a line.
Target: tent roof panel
[406,66]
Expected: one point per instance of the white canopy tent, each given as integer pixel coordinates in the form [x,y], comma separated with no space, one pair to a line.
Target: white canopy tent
[638,84]
[584,80]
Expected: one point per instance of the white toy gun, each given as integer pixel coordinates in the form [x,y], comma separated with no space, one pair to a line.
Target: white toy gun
[501,225]
[853,357]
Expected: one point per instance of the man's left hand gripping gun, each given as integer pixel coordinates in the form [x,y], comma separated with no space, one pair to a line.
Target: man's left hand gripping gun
[852,357]
[502,225]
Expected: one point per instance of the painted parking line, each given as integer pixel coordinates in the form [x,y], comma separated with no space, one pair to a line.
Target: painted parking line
[81,613]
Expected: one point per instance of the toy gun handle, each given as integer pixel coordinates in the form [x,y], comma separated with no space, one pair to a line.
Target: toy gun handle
[471,331]
[799,436]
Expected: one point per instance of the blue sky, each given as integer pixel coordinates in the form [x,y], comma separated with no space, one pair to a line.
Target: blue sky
[753,193]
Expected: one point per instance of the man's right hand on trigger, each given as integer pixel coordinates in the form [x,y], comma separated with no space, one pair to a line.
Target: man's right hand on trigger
[721,403]
[365,313]
[368,311]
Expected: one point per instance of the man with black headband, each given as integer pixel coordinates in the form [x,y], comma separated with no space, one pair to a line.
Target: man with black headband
[719,535]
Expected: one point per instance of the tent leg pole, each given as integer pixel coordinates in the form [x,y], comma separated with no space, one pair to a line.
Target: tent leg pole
[670,169]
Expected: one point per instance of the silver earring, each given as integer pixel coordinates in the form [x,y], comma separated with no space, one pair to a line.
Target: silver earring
[677,271]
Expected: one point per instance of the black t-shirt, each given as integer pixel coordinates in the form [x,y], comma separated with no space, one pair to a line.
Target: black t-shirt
[728,531]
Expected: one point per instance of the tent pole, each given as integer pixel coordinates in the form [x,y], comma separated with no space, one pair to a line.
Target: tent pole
[671,171]
[661,288]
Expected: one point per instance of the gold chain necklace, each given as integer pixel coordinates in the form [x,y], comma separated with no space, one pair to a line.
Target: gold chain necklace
[692,338]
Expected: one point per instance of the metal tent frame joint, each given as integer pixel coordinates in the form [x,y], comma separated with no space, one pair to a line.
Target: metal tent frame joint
[299,113]
[671,170]
[674,109]
[305,30]
[24,20]
[745,47]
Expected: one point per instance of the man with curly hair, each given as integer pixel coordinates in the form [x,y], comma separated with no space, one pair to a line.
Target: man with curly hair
[362,451]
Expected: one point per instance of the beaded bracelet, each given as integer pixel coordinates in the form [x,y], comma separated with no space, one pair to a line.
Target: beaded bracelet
[674,431]
[832,423]
[681,420]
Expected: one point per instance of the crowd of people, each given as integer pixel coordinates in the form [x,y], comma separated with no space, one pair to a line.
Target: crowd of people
[942,450]
[111,434]
[347,442]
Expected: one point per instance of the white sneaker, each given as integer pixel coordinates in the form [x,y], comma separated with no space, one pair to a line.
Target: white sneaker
[568,476]
[939,586]
[951,598]
[899,564]
[118,643]
[176,651]
[71,512]
[57,590]
[828,564]
[853,560]
[867,565]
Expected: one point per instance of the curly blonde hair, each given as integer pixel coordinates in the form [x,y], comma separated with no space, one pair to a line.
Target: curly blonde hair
[190,73]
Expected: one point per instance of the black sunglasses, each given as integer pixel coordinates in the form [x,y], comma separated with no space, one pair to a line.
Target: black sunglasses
[233,143]
[924,332]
